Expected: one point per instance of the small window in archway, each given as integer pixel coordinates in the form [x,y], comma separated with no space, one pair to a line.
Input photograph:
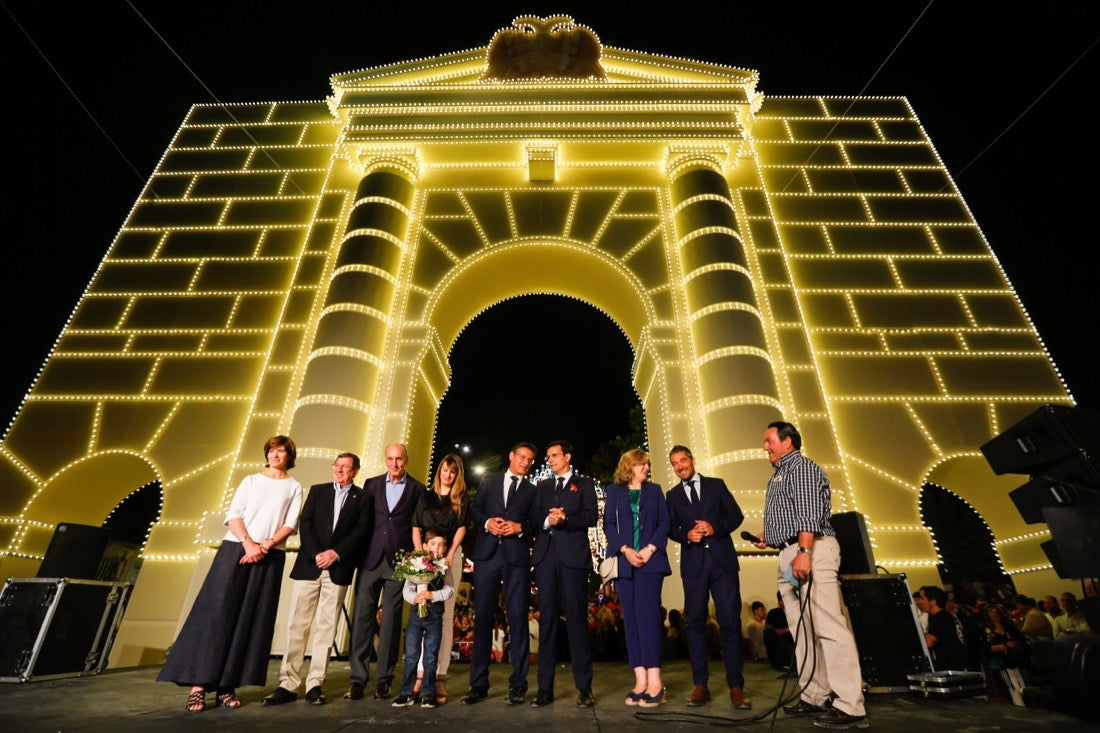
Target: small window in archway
[969,562]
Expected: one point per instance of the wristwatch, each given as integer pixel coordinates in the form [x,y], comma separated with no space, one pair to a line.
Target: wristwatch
[805,550]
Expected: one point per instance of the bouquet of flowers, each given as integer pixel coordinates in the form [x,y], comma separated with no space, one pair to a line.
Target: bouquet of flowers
[421,567]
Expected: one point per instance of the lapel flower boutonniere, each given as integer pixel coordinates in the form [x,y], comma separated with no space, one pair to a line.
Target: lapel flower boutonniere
[573,488]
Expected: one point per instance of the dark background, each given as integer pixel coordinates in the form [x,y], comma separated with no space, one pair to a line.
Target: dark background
[94,97]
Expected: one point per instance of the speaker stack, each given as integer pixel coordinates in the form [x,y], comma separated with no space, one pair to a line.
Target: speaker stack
[1058,447]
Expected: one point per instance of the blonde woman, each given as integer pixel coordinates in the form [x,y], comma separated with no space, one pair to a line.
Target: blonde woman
[444,509]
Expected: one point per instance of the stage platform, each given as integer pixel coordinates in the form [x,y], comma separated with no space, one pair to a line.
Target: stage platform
[120,701]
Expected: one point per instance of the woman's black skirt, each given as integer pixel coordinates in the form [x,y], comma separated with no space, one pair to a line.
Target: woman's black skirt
[226,640]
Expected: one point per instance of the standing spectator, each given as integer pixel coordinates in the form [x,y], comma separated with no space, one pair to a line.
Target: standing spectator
[226,640]
[945,637]
[922,610]
[754,631]
[533,634]
[636,526]
[443,509]
[1004,653]
[702,516]
[393,497]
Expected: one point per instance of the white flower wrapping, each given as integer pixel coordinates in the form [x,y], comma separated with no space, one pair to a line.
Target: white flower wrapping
[420,567]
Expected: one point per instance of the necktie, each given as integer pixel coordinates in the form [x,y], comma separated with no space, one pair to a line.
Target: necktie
[511,491]
[561,481]
[694,493]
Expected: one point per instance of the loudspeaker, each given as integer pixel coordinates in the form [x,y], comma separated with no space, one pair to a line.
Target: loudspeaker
[74,552]
[1074,547]
[1050,434]
[888,634]
[1044,491]
[856,555]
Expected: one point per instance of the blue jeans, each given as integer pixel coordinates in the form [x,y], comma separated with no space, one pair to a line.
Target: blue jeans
[426,632]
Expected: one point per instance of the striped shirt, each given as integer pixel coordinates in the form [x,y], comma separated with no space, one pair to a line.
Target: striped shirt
[797,500]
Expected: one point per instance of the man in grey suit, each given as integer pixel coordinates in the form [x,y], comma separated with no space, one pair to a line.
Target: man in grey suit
[393,497]
[332,533]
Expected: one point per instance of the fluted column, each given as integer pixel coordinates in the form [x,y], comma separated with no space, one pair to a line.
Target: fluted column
[735,377]
[339,395]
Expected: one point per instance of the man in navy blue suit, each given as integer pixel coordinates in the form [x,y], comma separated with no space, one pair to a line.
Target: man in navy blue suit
[563,511]
[502,560]
[390,505]
[702,516]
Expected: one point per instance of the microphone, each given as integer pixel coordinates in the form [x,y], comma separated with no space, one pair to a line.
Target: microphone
[749,537]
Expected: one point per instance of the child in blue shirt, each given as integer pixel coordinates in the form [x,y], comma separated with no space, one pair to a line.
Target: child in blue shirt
[424,632]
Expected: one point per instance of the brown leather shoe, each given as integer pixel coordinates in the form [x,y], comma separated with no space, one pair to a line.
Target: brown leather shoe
[739,700]
[355,691]
[699,696]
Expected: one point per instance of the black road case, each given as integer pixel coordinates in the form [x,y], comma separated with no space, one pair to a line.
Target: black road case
[58,627]
[888,634]
[948,684]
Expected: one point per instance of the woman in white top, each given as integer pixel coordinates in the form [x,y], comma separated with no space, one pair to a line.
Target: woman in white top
[226,640]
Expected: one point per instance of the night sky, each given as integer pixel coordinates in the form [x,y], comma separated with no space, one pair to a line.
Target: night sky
[94,98]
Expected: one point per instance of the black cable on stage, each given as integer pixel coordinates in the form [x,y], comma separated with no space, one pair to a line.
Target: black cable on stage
[783,699]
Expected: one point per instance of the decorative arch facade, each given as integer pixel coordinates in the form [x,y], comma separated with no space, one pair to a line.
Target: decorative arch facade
[306,267]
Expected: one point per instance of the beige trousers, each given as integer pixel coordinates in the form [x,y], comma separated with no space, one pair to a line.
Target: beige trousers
[824,648]
[316,607]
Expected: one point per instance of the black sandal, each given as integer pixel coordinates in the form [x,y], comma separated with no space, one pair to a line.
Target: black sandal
[196,701]
[229,700]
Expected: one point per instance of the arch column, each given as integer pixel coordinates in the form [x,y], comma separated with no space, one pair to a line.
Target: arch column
[338,402]
[735,376]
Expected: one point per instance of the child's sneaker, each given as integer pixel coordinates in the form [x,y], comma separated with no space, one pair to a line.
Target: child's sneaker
[402,701]
[427,702]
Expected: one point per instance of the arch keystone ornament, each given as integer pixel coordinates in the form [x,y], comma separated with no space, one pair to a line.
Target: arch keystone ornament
[767,258]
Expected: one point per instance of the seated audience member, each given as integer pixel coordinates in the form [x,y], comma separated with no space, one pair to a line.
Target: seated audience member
[945,633]
[754,631]
[1049,606]
[676,638]
[777,637]
[1032,622]
[1072,621]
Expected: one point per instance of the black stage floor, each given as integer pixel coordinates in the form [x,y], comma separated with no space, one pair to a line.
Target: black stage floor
[126,700]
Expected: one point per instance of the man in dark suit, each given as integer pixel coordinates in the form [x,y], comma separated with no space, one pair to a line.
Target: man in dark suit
[502,560]
[393,498]
[332,531]
[563,511]
[702,516]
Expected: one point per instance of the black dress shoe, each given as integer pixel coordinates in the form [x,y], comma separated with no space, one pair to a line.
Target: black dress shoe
[585,699]
[279,696]
[382,691]
[542,699]
[474,696]
[516,696]
[314,695]
[355,691]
